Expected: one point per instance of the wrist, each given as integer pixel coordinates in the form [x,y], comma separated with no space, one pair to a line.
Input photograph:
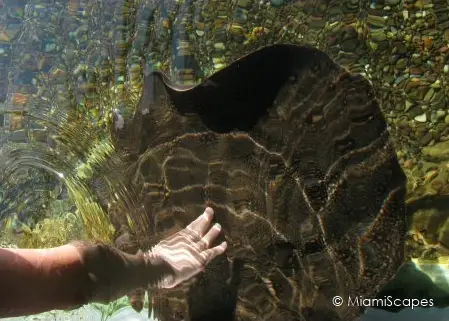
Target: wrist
[112,273]
[158,270]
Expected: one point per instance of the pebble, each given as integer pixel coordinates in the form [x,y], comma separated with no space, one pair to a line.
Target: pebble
[439,150]
[393,2]
[408,104]
[440,114]
[245,3]
[408,164]
[429,94]
[426,139]
[277,3]
[50,47]
[415,111]
[401,63]
[405,14]
[436,84]
[219,46]
[421,118]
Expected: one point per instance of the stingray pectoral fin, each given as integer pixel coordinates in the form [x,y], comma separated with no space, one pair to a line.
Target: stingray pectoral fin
[237,96]
[180,96]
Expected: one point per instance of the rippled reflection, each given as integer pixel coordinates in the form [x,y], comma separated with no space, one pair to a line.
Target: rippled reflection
[71,72]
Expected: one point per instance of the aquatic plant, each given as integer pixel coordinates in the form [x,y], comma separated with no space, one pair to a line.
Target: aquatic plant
[52,232]
[49,232]
[108,310]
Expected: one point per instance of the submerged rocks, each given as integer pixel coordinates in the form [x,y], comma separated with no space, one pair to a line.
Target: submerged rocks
[90,57]
[437,152]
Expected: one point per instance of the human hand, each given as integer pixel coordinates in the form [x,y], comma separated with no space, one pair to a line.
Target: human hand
[187,252]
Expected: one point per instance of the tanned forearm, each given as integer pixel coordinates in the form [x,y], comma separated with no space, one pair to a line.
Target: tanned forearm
[67,277]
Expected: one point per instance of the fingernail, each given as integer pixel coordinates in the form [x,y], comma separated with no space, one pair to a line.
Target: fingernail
[217,226]
[208,212]
[224,245]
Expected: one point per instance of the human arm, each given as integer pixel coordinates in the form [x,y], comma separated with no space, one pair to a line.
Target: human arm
[69,276]
[66,277]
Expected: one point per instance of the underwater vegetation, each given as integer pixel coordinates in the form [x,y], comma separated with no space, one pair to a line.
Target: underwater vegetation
[55,230]
[111,309]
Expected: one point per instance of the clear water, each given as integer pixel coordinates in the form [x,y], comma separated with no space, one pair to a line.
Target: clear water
[66,67]
[92,312]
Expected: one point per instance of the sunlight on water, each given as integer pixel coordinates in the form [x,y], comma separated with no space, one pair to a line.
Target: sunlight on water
[437,271]
[71,79]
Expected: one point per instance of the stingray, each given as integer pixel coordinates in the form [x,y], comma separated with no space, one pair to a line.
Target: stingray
[293,153]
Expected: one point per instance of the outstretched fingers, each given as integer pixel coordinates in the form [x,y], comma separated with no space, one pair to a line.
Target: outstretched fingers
[209,254]
[210,236]
[201,224]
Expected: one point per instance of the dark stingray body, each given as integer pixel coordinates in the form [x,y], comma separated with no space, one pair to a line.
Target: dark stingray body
[293,153]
